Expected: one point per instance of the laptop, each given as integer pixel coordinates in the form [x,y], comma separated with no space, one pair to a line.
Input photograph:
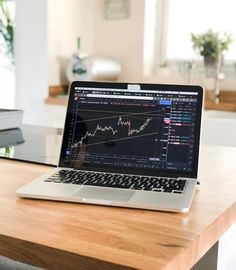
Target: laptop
[127,145]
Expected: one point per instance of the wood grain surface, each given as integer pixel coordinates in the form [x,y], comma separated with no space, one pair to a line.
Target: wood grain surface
[227,101]
[57,235]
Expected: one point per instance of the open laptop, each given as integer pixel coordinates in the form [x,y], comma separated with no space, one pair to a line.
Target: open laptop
[129,145]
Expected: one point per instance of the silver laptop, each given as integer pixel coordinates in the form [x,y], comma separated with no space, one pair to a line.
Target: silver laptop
[129,145]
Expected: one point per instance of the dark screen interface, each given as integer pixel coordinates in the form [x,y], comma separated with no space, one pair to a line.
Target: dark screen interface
[133,129]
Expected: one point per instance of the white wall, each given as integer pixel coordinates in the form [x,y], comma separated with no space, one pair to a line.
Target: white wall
[67,20]
[121,38]
[31,58]
[118,38]
[45,38]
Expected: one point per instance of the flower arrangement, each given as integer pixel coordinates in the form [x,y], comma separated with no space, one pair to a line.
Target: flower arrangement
[211,44]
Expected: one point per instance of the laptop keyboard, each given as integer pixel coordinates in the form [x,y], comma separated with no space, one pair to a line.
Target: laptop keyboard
[124,181]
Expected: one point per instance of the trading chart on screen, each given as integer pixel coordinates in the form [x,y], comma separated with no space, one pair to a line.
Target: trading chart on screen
[141,129]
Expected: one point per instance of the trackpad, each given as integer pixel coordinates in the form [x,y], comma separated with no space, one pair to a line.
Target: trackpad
[95,193]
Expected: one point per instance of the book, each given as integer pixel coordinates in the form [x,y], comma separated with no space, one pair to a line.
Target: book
[11,137]
[10,119]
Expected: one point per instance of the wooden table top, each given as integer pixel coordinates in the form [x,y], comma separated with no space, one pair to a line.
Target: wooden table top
[57,235]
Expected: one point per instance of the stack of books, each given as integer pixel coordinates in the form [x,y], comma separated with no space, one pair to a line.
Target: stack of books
[10,123]
[10,119]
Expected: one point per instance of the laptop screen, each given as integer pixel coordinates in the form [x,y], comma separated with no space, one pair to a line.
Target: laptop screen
[143,129]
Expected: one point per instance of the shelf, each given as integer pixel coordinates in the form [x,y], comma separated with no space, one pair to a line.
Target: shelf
[222,106]
[57,100]
[55,90]
[227,99]
[57,95]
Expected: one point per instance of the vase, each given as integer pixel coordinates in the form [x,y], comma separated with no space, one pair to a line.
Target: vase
[210,64]
[213,67]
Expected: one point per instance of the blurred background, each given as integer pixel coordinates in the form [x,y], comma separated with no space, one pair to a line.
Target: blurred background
[45,44]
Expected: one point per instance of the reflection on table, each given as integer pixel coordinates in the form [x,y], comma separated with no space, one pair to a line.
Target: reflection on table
[31,143]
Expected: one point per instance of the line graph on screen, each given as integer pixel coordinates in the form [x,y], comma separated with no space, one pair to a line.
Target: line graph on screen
[110,126]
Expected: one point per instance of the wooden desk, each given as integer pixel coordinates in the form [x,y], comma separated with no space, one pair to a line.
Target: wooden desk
[57,235]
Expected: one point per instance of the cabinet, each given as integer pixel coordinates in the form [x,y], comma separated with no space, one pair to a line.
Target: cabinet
[55,115]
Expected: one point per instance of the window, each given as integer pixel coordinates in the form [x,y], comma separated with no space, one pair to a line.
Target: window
[7,8]
[197,16]
[168,28]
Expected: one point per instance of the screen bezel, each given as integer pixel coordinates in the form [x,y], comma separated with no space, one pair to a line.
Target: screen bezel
[143,86]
